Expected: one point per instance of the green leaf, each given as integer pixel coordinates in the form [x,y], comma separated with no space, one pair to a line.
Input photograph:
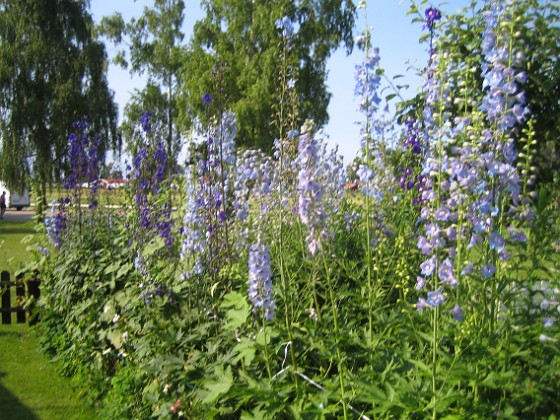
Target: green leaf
[492,380]
[124,270]
[219,387]
[239,312]
[156,244]
[111,268]
[115,338]
[256,414]
[231,300]
[428,337]
[246,351]
[420,365]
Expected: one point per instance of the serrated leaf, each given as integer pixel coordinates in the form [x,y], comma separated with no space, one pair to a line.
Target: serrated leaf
[490,380]
[263,337]
[239,312]
[237,317]
[221,386]
[231,299]
[155,245]
[428,337]
[420,365]
[256,414]
[246,350]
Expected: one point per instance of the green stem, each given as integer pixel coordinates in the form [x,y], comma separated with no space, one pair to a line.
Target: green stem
[287,299]
[367,152]
[435,333]
[266,355]
[283,277]
[337,335]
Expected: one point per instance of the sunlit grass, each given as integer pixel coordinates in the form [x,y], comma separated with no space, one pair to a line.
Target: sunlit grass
[15,237]
[30,387]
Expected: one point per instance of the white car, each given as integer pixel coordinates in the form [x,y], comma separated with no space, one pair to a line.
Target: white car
[15,199]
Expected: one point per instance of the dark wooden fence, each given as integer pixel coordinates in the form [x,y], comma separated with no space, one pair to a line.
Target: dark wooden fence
[24,291]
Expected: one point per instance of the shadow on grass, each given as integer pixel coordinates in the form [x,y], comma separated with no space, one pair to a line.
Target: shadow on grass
[8,334]
[11,408]
[17,228]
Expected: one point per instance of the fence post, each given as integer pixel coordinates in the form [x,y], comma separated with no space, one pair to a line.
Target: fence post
[33,290]
[6,298]
[32,286]
[20,293]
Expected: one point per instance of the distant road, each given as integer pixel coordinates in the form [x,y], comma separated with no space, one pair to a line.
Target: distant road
[19,216]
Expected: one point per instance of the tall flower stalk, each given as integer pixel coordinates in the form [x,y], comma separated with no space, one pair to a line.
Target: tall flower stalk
[504,106]
[208,212]
[434,272]
[83,160]
[147,173]
[368,82]
[284,119]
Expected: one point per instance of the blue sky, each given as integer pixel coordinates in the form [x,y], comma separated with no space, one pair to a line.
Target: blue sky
[393,33]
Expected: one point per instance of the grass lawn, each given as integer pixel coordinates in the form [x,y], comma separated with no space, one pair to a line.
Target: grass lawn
[30,387]
[13,253]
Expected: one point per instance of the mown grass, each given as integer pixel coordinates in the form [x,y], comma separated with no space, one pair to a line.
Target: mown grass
[15,238]
[30,387]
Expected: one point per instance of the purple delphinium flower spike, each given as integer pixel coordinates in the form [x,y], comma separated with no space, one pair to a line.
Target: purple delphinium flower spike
[260,280]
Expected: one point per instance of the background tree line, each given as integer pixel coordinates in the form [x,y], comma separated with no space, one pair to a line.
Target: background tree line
[53,70]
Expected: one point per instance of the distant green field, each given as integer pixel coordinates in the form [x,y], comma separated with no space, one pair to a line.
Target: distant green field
[111,197]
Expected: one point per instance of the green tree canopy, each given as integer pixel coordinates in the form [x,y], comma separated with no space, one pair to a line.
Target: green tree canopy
[153,48]
[52,72]
[241,35]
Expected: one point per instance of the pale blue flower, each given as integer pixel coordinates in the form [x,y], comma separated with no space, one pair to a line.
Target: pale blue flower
[260,280]
[457,313]
[496,241]
[488,270]
[428,266]
[435,298]
[445,273]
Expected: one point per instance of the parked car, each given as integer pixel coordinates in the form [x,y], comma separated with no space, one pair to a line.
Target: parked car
[16,199]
